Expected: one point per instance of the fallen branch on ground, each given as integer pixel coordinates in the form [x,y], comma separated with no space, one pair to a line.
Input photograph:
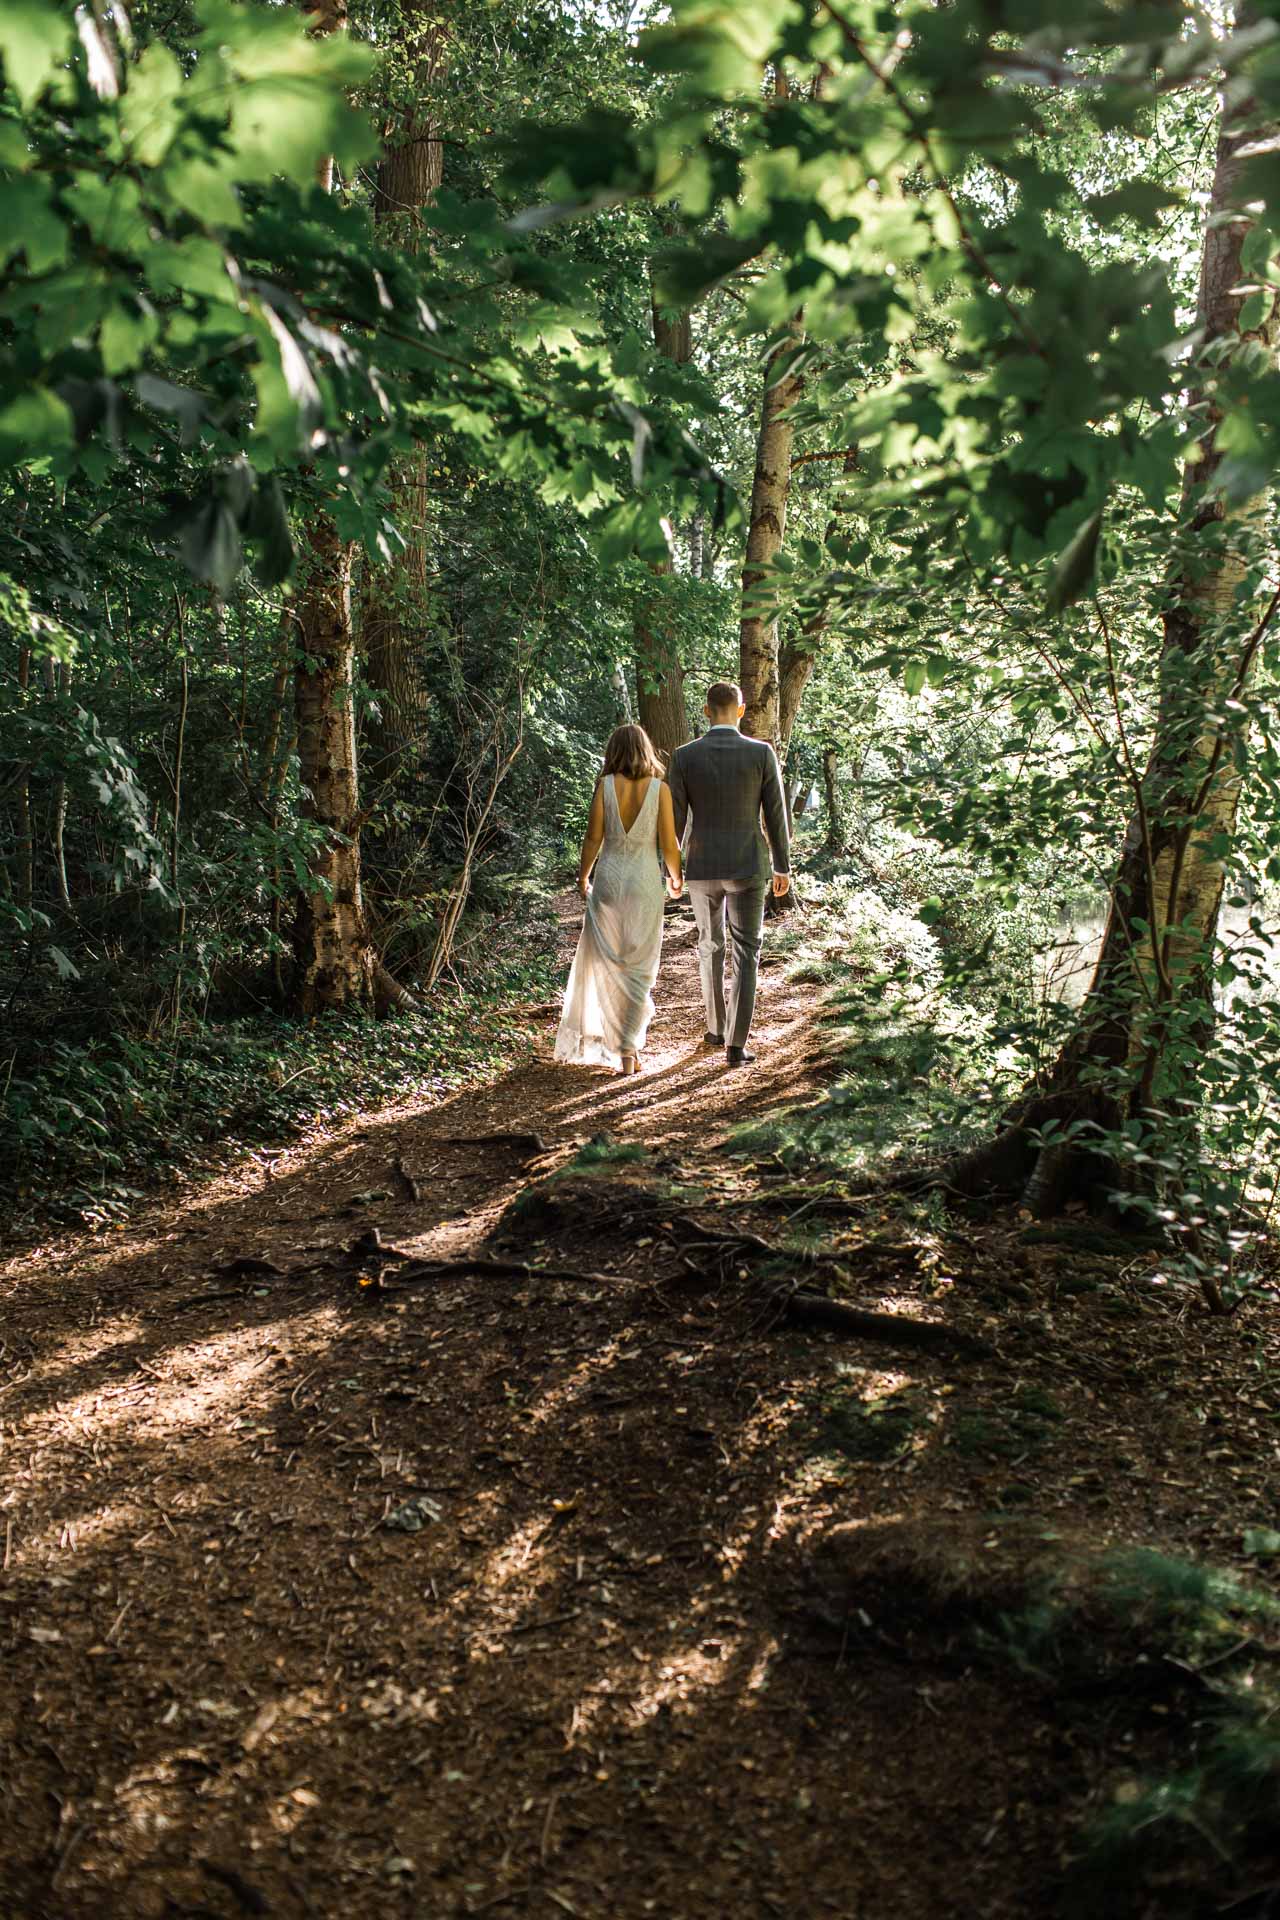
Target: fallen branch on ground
[533,1142]
[818,1310]
[802,1307]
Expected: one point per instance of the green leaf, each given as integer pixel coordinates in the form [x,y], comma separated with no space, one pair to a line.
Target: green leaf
[1142,200]
[149,113]
[289,403]
[35,38]
[682,275]
[721,45]
[32,225]
[1263,1543]
[935,667]
[914,676]
[1254,309]
[34,425]
[210,541]
[1074,573]
[126,333]
[267,525]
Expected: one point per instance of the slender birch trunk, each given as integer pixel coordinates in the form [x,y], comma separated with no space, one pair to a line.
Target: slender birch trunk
[758,671]
[334,961]
[26,838]
[835,839]
[57,686]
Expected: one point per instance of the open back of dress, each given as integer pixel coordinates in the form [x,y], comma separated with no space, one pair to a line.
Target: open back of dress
[609,1000]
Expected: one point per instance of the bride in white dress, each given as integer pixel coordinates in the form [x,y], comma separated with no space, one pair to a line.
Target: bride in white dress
[609,1001]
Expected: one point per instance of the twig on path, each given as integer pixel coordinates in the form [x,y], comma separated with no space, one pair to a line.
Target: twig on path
[504,1899]
[206,1299]
[118,1622]
[545,1841]
[410,1180]
[539,1626]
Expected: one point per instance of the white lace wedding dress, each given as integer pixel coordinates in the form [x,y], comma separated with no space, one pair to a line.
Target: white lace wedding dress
[609,1001]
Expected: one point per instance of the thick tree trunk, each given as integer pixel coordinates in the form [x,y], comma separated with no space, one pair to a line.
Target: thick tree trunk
[396,613]
[1133,1053]
[660,702]
[795,670]
[334,962]
[758,671]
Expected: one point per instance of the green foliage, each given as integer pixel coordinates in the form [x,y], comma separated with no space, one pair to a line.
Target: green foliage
[602,1154]
[100,1120]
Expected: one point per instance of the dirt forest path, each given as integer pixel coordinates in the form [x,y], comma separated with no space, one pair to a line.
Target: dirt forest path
[597,1677]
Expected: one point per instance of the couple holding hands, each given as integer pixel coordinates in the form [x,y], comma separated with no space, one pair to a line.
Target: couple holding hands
[711,801]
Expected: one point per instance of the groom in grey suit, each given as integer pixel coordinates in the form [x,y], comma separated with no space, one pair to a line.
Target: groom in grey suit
[726,781]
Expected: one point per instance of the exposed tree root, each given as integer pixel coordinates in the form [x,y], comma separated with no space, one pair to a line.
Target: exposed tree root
[803,1307]
[532,1144]
[833,1316]
[388,995]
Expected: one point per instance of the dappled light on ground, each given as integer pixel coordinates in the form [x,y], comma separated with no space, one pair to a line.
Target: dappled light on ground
[494,1592]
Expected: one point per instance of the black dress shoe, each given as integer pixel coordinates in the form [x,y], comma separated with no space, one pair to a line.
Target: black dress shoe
[738,1057]
[713,1039]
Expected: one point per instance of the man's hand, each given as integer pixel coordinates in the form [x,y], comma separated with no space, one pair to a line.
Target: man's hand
[781,885]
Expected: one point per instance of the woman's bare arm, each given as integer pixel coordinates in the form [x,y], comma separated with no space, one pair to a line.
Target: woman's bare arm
[667,840]
[594,839]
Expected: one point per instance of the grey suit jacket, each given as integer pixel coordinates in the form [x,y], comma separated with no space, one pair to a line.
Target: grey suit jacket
[725,780]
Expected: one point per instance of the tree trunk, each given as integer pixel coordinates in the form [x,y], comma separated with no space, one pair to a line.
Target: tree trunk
[835,840]
[1133,1054]
[758,671]
[759,666]
[57,686]
[334,962]
[797,659]
[795,670]
[660,702]
[395,612]
[623,715]
[26,838]
[697,542]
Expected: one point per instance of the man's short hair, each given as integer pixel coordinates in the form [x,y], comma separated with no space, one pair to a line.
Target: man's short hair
[723,696]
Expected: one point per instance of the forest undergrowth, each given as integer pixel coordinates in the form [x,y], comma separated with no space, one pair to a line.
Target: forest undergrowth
[553,1495]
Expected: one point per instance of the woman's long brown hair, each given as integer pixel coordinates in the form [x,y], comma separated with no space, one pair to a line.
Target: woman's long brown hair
[631,752]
